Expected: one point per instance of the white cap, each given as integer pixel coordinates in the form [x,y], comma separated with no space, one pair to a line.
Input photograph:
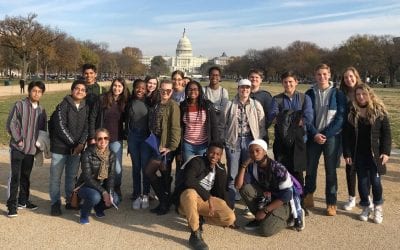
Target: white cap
[260,143]
[244,82]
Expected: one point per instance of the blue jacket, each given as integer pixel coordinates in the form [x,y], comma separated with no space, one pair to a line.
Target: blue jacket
[338,104]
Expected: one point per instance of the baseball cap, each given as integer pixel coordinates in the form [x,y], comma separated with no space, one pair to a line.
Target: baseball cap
[244,82]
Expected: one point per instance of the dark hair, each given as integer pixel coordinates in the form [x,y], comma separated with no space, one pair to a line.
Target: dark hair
[89,66]
[148,78]
[76,82]
[135,84]
[214,68]
[38,84]
[188,78]
[289,73]
[216,144]
[257,72]
[153,97]
[201,101]
[178,72]
[108,99]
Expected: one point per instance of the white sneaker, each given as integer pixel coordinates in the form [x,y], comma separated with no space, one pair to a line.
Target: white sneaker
[364,214]
[145,202]
[378,214]
[136,203]
[247,212]
[371,204]
[350,204]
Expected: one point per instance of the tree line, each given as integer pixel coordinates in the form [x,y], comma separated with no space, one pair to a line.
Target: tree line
[29,46]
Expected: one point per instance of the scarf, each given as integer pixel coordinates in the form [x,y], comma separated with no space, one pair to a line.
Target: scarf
[104,163]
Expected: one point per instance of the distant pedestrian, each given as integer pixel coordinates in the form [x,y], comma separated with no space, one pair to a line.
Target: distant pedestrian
[26,118]
[22,86]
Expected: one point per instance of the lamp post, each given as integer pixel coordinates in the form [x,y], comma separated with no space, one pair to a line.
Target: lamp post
[37,64]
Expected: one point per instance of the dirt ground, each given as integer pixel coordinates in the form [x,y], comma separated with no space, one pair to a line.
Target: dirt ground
[132,229]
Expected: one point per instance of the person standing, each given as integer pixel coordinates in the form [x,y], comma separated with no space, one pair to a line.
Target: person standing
[25,120]
[329,104]
[93,89]
[256,77]
[22,86]
[152,94]
[177,82]
[137,127]
[366,146]
[68,129]
[164,124]
[108,113]
[214,92]
[242,120]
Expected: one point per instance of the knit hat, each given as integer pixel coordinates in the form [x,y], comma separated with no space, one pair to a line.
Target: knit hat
[260,143]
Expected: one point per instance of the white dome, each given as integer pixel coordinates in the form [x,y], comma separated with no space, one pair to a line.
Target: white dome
[184,47]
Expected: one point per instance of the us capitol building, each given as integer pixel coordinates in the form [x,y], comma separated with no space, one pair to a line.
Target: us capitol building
[184,59]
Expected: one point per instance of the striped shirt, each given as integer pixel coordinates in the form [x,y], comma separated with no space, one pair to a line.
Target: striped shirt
[195,126]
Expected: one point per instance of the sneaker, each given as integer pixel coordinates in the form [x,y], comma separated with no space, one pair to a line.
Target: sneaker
[196,241]
[331,210]
[136,203]
[371,204]
[252,225]
[365,213]
[309,200]
[29,205]
[56,209]
[247,212]
[350,204]
[100,214]
[145,202]
[378,214]
[300,223]
[84,220]
[12,212]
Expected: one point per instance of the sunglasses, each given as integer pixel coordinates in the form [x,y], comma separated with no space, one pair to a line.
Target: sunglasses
[102,138]
[165,91]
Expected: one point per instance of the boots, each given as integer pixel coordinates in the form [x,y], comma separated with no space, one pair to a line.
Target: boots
[162,191]
[196,241]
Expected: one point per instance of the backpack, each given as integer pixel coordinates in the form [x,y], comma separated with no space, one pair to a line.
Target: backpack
[287,121]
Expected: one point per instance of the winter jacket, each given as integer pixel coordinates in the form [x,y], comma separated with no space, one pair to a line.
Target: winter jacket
[381,141]
[90,165]
[69,126]
[336,113]
[194,171]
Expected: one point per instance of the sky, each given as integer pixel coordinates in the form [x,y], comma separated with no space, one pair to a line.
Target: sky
[213,27]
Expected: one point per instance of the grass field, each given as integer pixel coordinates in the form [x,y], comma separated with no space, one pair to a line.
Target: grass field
[389,96]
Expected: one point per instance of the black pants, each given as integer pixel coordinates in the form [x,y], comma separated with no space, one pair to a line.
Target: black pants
[351,174]
[21,168]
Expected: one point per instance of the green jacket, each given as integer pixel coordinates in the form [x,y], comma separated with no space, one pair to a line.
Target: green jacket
[171,127]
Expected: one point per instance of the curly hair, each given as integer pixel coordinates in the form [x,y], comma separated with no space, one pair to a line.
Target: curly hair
[375,107]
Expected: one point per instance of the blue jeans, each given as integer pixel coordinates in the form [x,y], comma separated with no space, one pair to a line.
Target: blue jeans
[116,147]
[58,162]
[367,175]
[92,198]
[235,157]
[330,152]
[140,155]
[189,150]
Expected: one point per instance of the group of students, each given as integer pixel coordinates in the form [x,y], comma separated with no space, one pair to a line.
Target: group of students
[183,121]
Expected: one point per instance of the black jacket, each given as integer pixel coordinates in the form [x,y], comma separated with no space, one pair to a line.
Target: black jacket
[381,141]
[69,126]
[211,121]
[195,170]
[90,165]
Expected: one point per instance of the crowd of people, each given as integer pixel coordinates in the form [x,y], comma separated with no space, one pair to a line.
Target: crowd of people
[180,120]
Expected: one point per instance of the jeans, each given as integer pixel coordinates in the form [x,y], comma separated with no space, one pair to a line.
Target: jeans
[368,175]
[58,162]
[140,154]
[330,152]
[92,198]
[189,150]
[21,168]
[235,157]
[116,147]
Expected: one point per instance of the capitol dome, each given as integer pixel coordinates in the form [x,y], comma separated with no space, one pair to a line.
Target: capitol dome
[184,47]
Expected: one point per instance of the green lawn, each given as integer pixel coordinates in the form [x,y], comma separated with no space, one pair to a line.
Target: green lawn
[51,99]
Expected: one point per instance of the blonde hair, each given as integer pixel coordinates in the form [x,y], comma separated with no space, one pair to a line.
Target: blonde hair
[375,107]
[343,86]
